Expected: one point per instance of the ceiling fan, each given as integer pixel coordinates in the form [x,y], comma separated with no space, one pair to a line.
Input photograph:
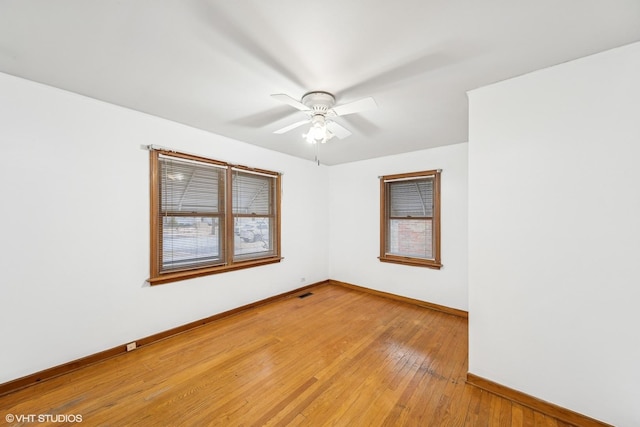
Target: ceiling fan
[321,109]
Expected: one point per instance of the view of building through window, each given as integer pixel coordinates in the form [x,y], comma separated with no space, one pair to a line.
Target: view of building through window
[411,238]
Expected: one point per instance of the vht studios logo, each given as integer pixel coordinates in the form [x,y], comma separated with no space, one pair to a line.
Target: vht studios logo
[43,418]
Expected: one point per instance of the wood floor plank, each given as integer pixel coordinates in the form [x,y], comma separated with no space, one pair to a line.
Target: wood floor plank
[517,415]
[338,357]
[475,406]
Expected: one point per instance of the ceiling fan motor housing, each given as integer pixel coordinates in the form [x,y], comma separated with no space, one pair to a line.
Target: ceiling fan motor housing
[320,102]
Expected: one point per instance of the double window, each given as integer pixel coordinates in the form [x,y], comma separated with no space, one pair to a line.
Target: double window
[208,216]
[410,219]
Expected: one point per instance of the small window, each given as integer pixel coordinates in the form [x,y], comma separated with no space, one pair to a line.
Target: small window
[410,219]
[209,217]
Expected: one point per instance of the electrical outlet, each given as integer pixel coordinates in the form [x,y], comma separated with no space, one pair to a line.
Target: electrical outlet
[131,346]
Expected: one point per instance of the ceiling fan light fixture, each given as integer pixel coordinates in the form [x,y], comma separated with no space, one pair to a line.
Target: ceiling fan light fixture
[318,131]
[315,134]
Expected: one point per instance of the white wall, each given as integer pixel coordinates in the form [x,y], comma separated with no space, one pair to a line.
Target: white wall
[354,202]
[554,234]
[75,238]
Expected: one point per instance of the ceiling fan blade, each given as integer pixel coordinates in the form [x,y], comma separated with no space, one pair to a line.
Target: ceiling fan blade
[274,54]
[264,118]
[362,125]
[338,130]
[291,127]
[289,100]
[412,68]
[355,107]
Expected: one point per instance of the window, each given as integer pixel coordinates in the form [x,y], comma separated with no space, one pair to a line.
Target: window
[410,219]
[209,217]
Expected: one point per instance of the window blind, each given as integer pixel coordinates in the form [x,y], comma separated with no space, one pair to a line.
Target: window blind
[191,213]
[412,198]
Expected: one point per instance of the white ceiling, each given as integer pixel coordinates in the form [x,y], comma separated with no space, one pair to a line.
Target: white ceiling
[213,64]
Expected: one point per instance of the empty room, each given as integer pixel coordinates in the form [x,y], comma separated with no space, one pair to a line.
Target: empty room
[359,213]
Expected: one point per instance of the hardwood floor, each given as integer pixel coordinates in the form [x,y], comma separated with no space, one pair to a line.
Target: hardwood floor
[337,357]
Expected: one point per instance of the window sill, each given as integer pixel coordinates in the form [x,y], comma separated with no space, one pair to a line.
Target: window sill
[190,274]
[415,262]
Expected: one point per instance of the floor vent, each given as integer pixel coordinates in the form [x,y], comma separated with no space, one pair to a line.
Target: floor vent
[308,294]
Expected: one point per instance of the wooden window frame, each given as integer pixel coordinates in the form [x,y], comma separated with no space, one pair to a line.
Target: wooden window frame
[227,221]
[435,262]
